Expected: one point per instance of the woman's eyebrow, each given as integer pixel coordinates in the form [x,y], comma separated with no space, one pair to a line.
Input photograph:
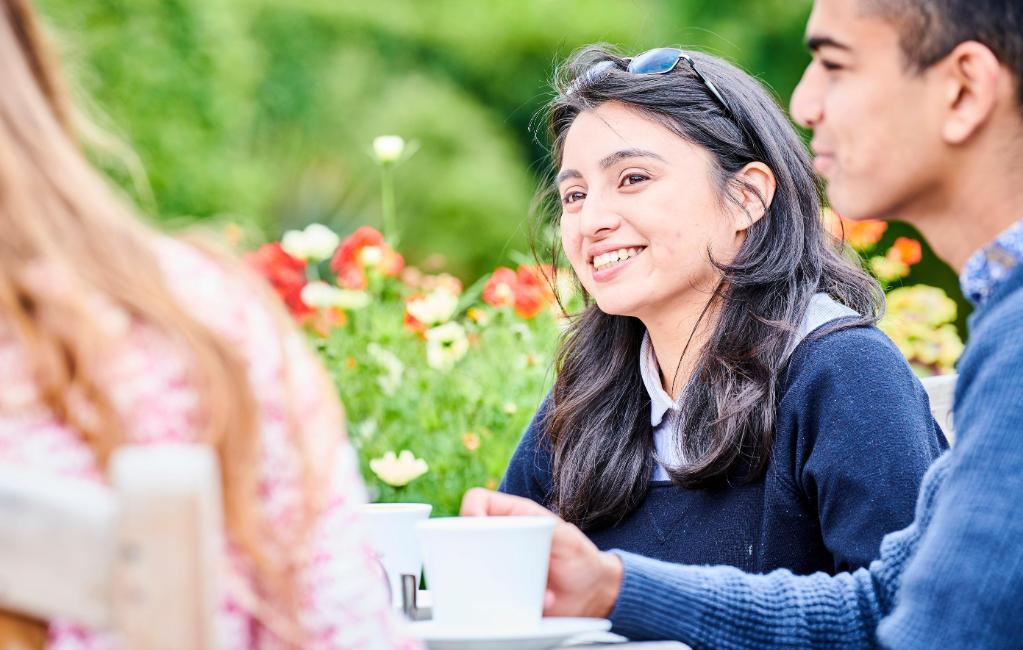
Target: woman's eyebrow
[620,155]
[609,161]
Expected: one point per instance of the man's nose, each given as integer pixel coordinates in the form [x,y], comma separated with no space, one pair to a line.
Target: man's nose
[807,107]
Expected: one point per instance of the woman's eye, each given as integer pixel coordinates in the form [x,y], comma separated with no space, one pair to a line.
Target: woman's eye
[633,179]
[571,197]
[830,66]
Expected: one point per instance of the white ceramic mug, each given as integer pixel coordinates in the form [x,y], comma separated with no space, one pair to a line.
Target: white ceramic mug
[486,572]
[392,531]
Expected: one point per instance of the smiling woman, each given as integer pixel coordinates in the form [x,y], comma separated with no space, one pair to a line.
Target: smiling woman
[715,402]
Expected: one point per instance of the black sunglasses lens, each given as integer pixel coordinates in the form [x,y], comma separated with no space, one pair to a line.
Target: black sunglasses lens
[658,61]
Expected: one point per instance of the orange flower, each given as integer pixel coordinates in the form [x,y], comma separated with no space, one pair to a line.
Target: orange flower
[500,288]
[861,235]
[528,290]
[906,250]
[322,321]
[532,291]
[470,441]
[364,248]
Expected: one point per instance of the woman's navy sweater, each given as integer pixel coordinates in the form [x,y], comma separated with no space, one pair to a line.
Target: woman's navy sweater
[854,436]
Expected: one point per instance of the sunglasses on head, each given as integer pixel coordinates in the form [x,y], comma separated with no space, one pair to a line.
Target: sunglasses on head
[661,60]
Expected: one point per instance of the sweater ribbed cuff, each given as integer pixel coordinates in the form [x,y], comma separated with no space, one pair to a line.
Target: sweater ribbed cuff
[639,612]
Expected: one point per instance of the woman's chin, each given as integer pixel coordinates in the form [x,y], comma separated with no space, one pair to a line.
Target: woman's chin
[617,305]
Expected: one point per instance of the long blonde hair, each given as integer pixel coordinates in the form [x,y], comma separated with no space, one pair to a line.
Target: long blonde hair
[58,213]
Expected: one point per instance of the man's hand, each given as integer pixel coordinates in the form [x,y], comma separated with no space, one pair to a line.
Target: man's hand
[581,580]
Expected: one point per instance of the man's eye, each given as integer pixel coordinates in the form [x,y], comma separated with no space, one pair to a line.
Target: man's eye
[830,66]
[632,179]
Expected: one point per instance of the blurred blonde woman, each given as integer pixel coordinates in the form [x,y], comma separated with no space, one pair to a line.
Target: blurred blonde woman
[111,333]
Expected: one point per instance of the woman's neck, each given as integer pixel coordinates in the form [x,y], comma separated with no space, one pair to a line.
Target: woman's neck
[677,336]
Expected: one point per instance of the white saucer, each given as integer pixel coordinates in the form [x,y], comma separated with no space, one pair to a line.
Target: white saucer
[550,633]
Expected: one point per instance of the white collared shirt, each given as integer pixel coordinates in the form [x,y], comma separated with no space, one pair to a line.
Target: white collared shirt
[664,411]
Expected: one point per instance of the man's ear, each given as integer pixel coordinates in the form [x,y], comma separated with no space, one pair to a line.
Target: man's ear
[972,81]
[755,185]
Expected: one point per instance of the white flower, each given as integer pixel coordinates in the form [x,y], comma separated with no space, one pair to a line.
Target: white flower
[510,408]
[320,295]
[371,256]
[445,345]
[388,148]
[400,470]
[438,306]
[390,381]
[316,243]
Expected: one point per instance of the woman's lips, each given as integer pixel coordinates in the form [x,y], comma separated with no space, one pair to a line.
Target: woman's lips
[604,275]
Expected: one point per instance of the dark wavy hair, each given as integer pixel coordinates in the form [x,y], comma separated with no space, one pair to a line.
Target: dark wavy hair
[598,420]
[930,29]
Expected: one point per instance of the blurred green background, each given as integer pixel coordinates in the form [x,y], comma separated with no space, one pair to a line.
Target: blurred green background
[262,112]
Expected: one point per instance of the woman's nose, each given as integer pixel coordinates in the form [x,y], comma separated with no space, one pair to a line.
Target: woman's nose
[598,218]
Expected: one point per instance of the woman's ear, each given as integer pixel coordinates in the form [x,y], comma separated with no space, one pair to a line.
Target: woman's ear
[754,187]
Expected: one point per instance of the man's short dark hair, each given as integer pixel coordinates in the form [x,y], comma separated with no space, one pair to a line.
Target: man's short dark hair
[930,29]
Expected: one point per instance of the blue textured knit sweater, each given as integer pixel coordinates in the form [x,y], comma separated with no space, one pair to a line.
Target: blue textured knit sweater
[842,474]
[952,579]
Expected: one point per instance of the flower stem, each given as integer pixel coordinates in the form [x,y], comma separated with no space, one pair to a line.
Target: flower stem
[387,206]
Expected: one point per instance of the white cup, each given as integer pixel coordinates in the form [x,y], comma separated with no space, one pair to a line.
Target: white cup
[488,573]
[392,534]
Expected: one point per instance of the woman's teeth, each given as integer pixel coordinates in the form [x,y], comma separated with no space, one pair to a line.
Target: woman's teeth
[605,260]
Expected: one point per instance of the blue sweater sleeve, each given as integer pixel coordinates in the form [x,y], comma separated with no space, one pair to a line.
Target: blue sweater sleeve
[530,469]
[964,586]
[724,608]
[864,439]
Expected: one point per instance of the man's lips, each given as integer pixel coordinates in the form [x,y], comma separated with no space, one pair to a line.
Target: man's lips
[823,162]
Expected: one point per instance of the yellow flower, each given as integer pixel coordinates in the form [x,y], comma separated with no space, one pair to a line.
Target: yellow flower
[478,315]
[919,321]
[470,441]
[398,470]
[511,408]
[887,269]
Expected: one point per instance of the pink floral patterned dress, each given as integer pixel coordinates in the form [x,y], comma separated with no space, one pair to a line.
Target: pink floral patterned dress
[343,604]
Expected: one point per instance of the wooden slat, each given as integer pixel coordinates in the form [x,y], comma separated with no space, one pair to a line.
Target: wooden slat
[57,547]
[167,581]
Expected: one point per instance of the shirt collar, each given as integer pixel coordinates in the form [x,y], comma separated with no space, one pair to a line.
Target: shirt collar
[987,268]
[660,401]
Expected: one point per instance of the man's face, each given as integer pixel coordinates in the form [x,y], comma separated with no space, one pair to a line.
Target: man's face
[875,141]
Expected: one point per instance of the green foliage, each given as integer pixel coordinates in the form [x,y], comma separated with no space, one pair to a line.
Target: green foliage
[487,398]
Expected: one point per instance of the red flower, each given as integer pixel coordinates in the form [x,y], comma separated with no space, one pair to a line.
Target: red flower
[349,262]
[500,288]
[285,274]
